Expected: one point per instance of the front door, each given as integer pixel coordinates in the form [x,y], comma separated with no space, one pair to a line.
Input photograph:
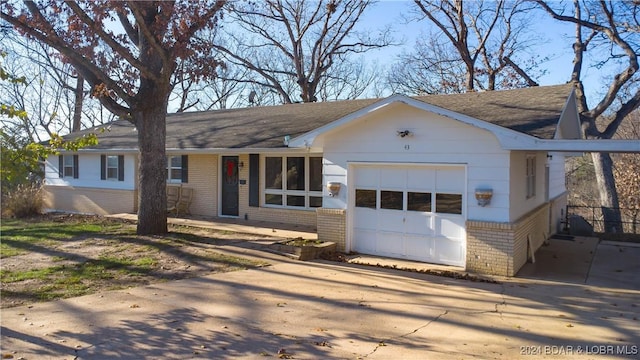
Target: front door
[229,206]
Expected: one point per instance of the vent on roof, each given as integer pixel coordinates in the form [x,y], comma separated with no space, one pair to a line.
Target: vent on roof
[286,140]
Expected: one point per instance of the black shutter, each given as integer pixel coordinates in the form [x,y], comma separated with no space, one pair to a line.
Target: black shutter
[185,169]
[60,166]
[75,167]
[103,167]
[120,167]
[254,180]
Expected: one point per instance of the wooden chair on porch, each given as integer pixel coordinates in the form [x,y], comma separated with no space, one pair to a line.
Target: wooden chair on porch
[184,202]
[173,195]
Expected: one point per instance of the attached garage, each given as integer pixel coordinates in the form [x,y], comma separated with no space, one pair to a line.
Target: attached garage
[410,211]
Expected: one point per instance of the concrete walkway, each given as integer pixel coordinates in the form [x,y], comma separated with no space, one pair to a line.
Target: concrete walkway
[327,310]
[263,228]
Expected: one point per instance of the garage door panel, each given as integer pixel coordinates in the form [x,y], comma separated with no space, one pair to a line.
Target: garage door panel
[419,223]
[421,178]
[449,251]
[390,219]
[390,244]
[420,247]
[393,178]
[450,227]
[367,177]
[404,219]
[365,240]
[450,179]
[364,217]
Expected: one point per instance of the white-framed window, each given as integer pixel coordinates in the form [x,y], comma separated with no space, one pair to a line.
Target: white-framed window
[69,167]
[531,175]
[177,169]
[293,181]
[112,167]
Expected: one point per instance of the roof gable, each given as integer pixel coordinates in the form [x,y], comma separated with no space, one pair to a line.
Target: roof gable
[513,115]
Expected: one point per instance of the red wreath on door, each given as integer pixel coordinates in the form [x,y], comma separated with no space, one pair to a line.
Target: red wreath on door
[230,168]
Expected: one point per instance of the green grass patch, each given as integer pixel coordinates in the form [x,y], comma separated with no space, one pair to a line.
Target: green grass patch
[21,236]
[75,255]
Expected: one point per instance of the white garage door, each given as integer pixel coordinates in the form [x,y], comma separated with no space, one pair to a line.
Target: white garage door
[410,212]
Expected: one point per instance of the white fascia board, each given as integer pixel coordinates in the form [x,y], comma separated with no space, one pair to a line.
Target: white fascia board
[580,145]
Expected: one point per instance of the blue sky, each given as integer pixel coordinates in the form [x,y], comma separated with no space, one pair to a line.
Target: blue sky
[557,36]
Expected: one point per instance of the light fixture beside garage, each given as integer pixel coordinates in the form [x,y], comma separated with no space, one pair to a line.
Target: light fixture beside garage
[484,196]
[334,188]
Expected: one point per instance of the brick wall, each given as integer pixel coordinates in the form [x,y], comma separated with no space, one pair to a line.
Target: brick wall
[501,248]
[203,178]
[89,200]
[332,226]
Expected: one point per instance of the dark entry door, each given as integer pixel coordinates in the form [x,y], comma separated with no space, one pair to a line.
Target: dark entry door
[229,186]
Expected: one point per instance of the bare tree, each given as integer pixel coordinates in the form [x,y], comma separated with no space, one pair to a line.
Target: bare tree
[53,94]
[482,44]
[297,46]
[608,32]
[626,171]
[129,67]
[430,69]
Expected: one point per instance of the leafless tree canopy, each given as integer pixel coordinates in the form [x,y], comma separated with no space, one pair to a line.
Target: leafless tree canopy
[477,45]
[294,48]
[607,34]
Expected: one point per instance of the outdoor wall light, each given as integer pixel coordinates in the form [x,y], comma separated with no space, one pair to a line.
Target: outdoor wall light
[404,133]
[241,165]
[334,188]
[484,196]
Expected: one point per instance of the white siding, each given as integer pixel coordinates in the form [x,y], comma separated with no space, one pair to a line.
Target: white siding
[89,173]
[435,140]
[557,182]
[520,204]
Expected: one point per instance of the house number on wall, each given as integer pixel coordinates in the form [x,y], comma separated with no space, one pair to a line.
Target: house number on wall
[407,147]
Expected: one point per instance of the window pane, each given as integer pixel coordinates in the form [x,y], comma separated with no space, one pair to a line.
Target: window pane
[366,198]
[293,200]
[112,161]
[295,173]
[68,160]
[273,173]
[273,199]
[449,203]
[315,174]
[176,161]
[68,171]
[112,173]
[419,201]
[176,174]
[391,200]
[315,201]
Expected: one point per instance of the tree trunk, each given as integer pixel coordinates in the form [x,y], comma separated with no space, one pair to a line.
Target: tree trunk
[152,193]
[603,166]
[79,99]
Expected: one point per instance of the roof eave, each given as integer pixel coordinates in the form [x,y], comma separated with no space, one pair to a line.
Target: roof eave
[579,145]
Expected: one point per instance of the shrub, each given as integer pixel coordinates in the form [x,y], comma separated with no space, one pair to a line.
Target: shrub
[24,200]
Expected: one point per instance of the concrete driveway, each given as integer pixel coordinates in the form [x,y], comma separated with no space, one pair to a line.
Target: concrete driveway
[326,310]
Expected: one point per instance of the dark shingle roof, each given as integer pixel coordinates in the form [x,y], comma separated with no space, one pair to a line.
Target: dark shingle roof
[534,111]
